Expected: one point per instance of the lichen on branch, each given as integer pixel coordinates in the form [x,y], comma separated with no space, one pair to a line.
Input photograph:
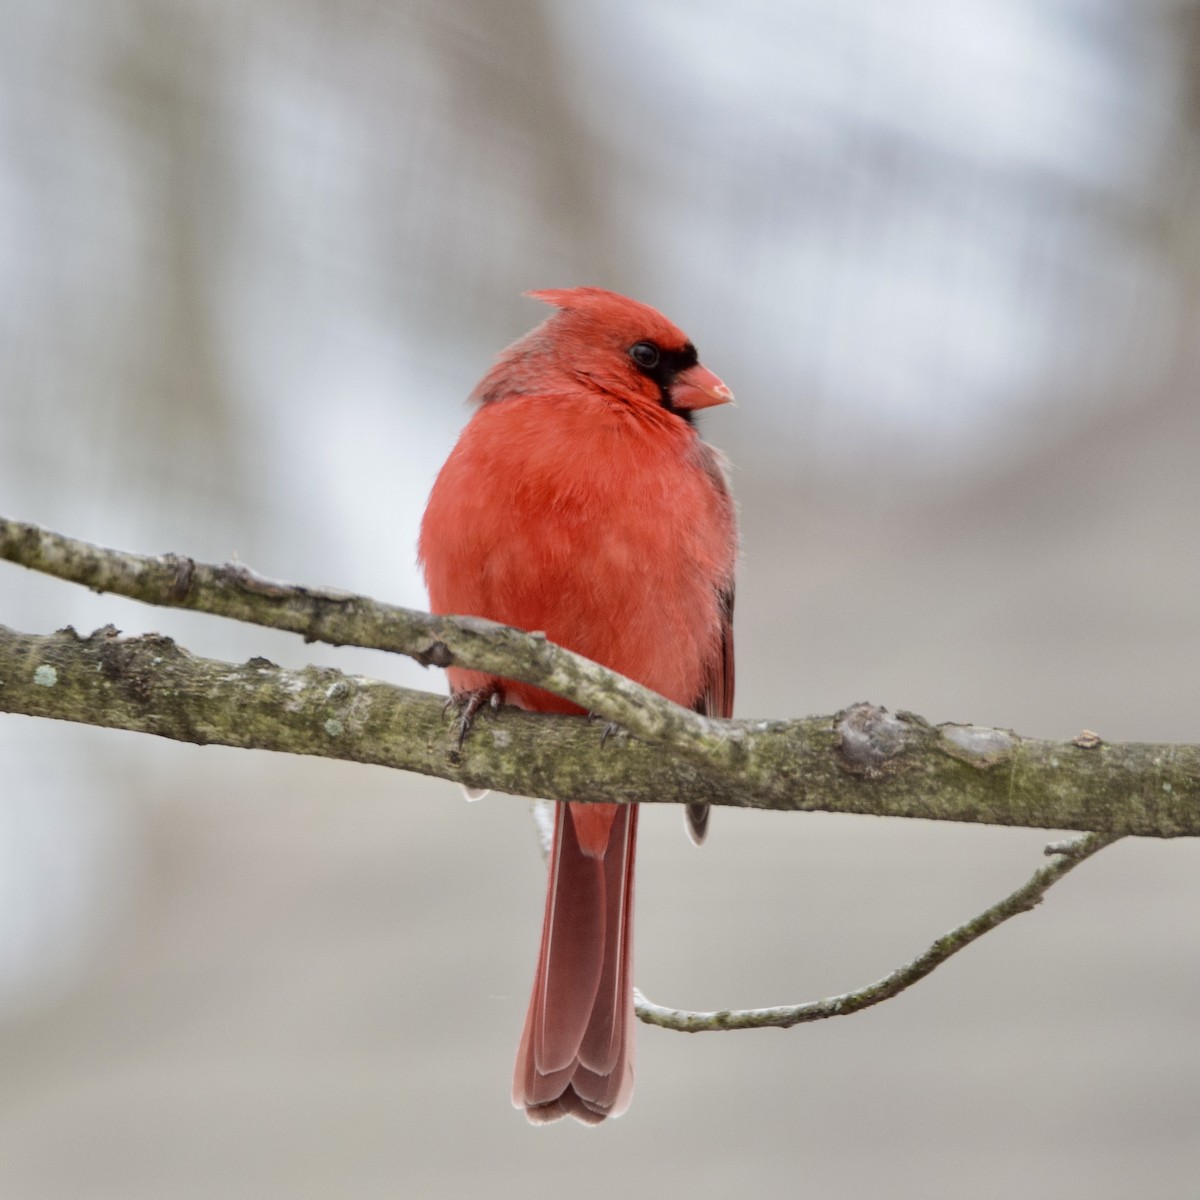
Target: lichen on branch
[862,760]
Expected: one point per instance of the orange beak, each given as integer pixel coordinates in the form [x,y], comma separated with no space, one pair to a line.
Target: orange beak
[698,387]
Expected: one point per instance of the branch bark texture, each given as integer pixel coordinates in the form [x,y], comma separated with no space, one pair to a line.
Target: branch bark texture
[149,684]
[863,760]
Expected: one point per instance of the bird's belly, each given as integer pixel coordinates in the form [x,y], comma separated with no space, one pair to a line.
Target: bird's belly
[626,589]
[615,591]
[614,543]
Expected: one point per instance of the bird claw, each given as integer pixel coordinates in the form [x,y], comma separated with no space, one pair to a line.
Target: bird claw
[611,729]
[468,705]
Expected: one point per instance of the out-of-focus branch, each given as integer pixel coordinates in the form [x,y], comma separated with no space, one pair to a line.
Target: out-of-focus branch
[863,760]
[1067,856]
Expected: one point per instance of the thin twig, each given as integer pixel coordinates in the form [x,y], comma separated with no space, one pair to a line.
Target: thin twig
[1067,857]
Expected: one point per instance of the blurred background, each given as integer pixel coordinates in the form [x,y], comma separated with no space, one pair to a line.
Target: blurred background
[253,257]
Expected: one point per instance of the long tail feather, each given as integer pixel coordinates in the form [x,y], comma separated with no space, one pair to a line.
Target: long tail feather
[576,1054]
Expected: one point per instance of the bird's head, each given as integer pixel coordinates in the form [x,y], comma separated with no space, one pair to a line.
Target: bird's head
[609,342]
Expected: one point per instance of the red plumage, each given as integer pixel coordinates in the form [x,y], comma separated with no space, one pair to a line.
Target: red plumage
[580,501]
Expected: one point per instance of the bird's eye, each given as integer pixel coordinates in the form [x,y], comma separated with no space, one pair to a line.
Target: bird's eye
[645,354]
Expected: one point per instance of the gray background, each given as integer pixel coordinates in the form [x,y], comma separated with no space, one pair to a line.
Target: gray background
[254,256]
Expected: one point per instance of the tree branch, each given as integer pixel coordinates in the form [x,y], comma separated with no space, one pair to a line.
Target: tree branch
[344,619]
[863,760]
[1067,857]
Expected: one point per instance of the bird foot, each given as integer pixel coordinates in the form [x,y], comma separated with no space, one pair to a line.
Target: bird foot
[611,728]
[468,705]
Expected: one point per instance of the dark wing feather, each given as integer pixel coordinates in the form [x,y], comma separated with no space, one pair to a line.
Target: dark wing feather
[716,700]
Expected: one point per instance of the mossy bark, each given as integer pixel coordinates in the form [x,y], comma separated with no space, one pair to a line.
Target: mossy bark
[863,760]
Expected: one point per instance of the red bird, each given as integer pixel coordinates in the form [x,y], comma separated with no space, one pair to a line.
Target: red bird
[580,501]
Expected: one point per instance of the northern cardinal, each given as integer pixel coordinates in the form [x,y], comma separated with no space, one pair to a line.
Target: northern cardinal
[580,501]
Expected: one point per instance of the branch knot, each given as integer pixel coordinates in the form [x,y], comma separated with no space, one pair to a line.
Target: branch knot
[870,738]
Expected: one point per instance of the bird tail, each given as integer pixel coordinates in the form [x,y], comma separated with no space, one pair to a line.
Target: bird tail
[577,1051]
